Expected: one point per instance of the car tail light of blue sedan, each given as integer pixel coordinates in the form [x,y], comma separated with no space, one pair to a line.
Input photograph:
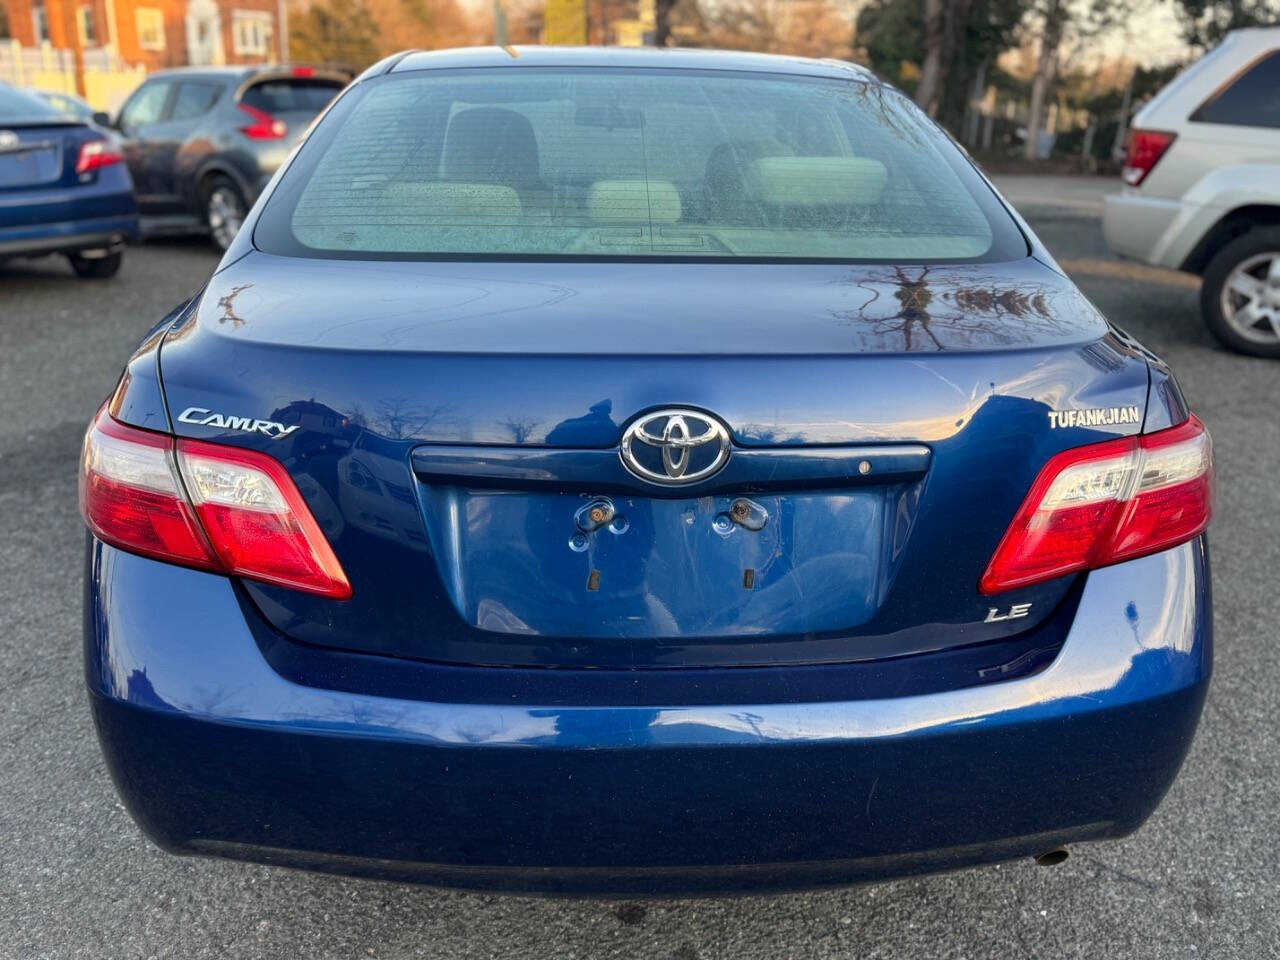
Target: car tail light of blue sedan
[621,472]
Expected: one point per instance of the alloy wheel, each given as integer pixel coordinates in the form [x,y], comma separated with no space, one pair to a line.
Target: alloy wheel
[226,214]
[1251,298]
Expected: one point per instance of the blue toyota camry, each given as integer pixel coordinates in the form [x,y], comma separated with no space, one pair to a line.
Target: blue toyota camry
[641,472]
[64,188]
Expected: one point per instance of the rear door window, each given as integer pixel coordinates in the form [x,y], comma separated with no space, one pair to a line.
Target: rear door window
[1251,100]
[146,106]
[194,99]
[629,163]
[282,96]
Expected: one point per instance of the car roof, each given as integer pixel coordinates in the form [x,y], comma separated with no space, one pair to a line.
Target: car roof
[244,72]
[204,72]
[642,57]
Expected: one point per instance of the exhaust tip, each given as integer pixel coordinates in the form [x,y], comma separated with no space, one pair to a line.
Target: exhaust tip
[1053,857]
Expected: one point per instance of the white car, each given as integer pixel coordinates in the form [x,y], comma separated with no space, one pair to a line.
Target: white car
[1202,187]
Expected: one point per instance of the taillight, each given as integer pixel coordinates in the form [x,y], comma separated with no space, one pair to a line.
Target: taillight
[264,125]
[1099,504]
[203,505]
[131,497]
[1143,151]
[96,154]
[256,519]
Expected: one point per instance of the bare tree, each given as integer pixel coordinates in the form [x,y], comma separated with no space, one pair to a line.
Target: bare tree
[1075,23]
[931,66]
[662,10]
[945,22]
[810,28]
[1055,16]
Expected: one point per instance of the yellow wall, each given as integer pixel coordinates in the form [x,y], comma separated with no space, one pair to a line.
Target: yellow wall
[104,91]
[47,69]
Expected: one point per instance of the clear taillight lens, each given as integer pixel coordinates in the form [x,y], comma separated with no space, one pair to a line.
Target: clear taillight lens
[203,505]
[1112,501]
[257,521]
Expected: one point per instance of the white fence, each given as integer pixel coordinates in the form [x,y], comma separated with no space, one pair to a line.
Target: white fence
[108,80]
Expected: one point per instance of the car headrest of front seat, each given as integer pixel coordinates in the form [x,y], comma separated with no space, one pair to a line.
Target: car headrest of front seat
[491,145]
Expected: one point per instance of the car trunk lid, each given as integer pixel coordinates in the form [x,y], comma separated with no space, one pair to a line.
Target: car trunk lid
[456,430]
[40,155]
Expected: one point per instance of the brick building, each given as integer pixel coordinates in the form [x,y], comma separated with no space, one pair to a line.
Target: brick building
[156,33]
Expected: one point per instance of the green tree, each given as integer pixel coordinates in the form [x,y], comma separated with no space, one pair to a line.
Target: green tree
[335,31]
[891,35]
[994,26]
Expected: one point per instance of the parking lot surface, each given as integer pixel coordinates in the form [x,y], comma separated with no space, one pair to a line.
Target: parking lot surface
[1201,879]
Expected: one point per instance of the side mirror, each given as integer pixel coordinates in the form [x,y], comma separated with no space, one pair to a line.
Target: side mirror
[103,119]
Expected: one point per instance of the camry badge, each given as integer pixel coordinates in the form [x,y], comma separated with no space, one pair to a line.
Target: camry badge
[224,421]
[675,446]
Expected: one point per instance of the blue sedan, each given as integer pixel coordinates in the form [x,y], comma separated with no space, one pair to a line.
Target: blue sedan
[641,472]
[64,188]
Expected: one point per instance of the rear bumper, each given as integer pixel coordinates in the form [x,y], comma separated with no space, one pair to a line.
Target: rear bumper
[69,236]
[1136,226]
[215,753]
[1156,230]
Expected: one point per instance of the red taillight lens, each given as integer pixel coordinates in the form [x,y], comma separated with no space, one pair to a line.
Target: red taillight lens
[1107,502]
[257,521]
[264,125]
[1143,151]
[97,154]
[248,519]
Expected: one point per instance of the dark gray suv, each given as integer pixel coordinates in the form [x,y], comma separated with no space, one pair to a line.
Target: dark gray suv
[201,142]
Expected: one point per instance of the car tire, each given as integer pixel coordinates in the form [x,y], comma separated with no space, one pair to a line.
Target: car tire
[1240,297]
[96,268]
[224,209]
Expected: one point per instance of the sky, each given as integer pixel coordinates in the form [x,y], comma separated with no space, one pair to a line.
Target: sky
[1151,38]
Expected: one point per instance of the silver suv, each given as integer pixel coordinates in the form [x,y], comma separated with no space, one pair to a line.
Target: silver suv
[1202,187]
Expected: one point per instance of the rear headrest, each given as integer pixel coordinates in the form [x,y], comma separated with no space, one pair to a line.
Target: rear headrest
[491,145]
[455,202]
[816,181]
[728,160]
[648,201]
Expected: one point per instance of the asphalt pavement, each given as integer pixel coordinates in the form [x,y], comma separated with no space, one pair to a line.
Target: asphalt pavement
[1201,879]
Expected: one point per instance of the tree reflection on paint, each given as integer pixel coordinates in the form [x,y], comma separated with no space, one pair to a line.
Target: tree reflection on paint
[972,309]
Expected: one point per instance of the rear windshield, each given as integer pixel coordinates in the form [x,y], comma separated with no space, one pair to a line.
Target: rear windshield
[18,105]
[281,96]
[536,162]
